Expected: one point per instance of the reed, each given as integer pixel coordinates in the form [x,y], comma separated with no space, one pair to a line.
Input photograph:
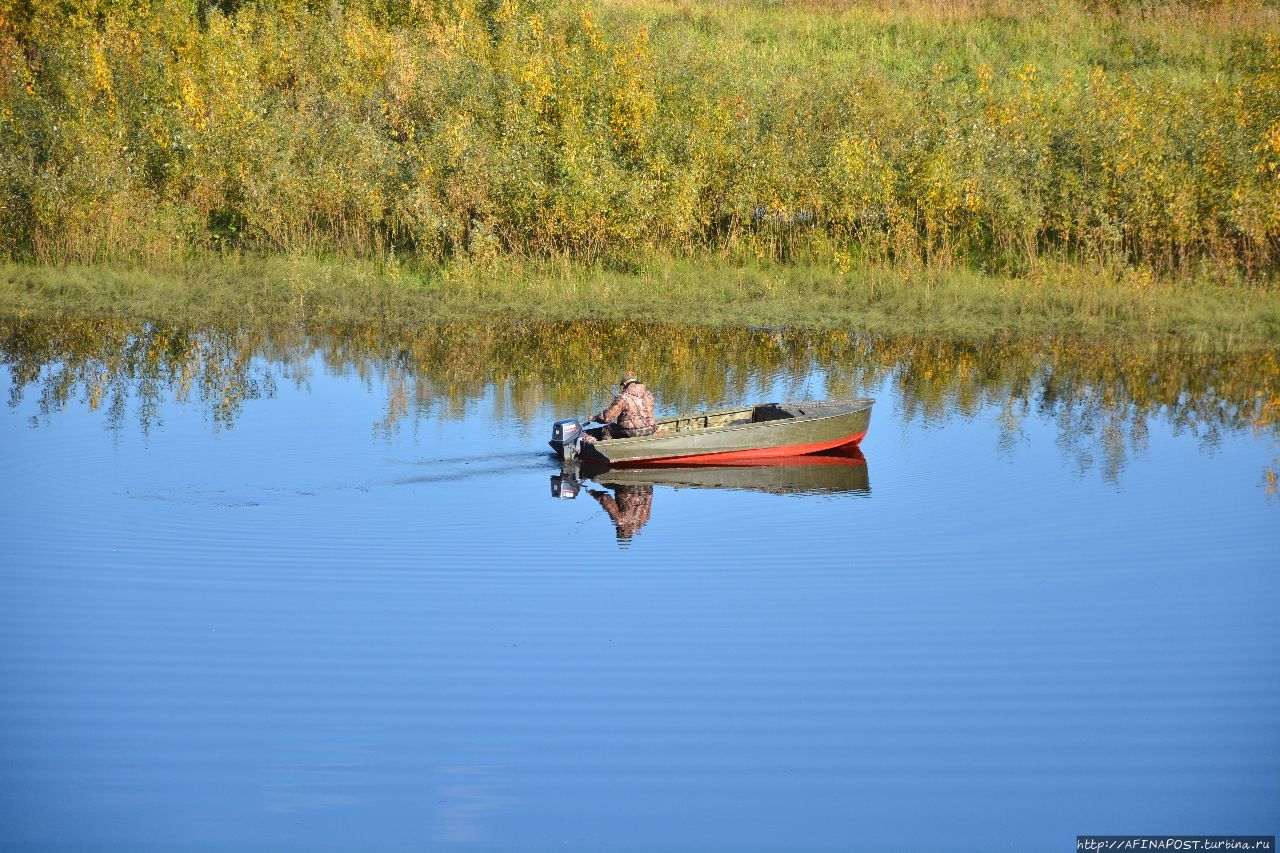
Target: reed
[974,140]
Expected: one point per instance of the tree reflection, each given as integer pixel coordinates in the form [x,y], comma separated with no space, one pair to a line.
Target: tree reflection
[1101,396]
[108,363]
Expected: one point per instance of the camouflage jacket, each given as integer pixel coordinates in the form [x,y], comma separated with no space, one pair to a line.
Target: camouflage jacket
[632,409]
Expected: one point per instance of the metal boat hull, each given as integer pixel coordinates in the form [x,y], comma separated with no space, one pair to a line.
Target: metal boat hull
[731,436]
[792,475]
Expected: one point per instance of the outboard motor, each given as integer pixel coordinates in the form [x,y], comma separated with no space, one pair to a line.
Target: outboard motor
[566,436]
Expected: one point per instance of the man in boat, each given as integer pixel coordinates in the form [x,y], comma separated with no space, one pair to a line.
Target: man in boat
[631,412]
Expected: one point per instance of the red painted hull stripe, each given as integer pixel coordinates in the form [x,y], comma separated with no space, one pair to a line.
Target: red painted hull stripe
[742,455]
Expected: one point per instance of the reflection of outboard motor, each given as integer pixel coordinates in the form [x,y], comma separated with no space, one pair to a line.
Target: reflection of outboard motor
[566,436]
[566,484]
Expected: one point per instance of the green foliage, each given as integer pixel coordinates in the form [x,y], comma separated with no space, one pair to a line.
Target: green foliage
[1142,136]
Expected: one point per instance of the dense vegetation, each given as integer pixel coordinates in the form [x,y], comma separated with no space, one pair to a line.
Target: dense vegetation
[991,134]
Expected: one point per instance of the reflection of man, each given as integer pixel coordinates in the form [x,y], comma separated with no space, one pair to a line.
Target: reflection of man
[628,506]
[631,412]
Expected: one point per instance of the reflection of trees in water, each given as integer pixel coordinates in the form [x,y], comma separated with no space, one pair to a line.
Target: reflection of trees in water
[1100,396]
[109,364]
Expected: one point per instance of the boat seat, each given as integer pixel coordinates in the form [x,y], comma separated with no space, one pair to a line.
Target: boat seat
[769,412]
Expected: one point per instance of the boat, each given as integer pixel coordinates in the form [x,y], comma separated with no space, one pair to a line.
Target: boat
[725,436]
[833,472]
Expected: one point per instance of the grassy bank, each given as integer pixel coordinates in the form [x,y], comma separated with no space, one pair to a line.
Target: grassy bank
[981,134]
[1092,303]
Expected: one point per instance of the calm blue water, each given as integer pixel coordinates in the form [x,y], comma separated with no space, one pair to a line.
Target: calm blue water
[310,629]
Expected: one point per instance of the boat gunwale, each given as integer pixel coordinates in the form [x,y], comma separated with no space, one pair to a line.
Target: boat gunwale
[863,403]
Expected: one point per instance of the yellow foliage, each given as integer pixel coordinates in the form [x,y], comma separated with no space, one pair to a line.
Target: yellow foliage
[542,127]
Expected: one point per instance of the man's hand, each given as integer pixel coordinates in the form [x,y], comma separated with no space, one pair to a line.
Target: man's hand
[594,419]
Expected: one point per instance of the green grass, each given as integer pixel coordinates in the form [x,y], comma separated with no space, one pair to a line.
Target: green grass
[1066,300]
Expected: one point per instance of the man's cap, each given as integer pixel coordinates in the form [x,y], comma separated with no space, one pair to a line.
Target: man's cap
[628,377]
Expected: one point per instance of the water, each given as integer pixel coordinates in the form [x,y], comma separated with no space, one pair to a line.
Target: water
[296,592]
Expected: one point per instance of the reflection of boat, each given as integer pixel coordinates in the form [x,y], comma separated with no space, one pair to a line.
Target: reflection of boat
[829,473]
[769,430]
[812,474]
[631,504]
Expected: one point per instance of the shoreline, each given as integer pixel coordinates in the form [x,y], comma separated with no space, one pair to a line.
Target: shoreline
[1065,299]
